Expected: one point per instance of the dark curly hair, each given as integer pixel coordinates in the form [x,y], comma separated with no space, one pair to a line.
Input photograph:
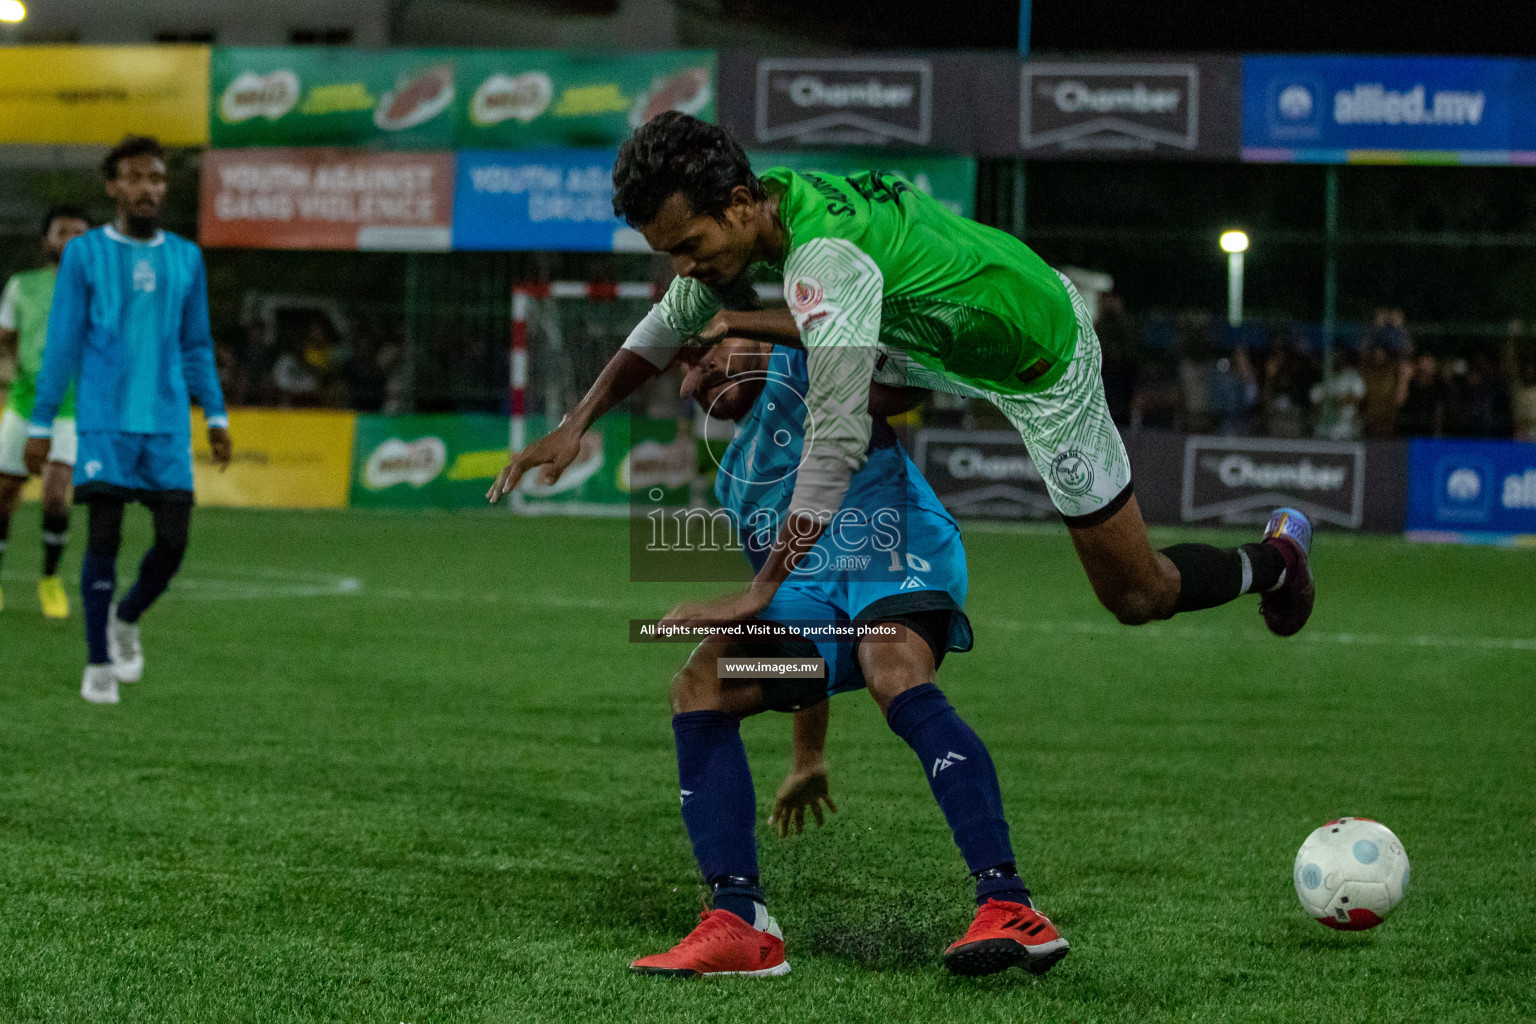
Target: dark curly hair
[63,211]
[673,152]
[131,146]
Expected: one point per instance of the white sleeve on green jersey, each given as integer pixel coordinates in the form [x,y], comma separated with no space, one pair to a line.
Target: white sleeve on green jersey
[8,306]
[834,291]
[685,310]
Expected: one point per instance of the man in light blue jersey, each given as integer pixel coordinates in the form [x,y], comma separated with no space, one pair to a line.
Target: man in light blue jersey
[890,561]
[129,327]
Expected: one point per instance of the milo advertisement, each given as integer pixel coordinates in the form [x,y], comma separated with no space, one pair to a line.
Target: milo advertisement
[516,99]
[449,461]
[324,96]
[949,179]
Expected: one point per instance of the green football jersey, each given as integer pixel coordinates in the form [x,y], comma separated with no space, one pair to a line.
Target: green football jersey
[871,262]
[24,306]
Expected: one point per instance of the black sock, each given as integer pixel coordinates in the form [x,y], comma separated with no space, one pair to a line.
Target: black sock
[1211,576]
[1266,567]
[55,533]
[5,535]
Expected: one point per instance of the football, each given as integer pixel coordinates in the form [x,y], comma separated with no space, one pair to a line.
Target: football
[1350,873]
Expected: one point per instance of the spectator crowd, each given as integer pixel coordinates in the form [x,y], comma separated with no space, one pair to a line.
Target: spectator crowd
[1194,374]
[1190,373]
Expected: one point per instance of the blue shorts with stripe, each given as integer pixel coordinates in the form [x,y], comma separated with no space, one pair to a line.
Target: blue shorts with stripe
[131,466]
[926,589]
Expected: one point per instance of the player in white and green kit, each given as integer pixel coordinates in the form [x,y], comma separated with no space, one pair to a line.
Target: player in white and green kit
[24,306]
[886,283]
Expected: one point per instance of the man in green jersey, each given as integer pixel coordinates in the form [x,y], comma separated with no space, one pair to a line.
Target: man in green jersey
[885,283]
[24,306]
[887,287]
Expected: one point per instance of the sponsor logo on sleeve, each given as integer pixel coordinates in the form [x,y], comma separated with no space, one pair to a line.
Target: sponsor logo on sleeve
[1072,472]
[805,294]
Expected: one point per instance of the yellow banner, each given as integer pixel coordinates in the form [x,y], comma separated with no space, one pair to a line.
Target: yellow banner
[98,94]
[283,459]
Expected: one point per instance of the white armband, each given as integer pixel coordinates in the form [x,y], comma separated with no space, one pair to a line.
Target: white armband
[821,484]
[654,340]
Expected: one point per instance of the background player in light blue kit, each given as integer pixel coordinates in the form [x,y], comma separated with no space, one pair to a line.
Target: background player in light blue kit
[129,326]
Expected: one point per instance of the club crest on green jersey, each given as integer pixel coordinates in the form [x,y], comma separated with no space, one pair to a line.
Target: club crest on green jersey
[1073,472]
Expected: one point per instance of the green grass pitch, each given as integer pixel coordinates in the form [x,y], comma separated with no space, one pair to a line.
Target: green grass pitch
[406,768]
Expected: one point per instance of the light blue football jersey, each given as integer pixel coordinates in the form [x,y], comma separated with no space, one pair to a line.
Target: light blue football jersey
[130,326]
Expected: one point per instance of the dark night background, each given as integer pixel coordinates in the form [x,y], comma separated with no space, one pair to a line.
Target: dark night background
[1311,26]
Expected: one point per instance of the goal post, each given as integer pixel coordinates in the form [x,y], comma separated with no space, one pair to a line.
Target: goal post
[562,335]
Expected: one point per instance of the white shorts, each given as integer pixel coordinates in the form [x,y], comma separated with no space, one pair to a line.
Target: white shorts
[13,441]
[1066,428]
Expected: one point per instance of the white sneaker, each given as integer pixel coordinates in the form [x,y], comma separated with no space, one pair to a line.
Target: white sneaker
[99,685]
[123,646]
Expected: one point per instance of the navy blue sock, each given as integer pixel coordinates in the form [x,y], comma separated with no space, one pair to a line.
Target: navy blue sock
[98,585]
[719,807]
[964,781]
[155,573]
[173,520]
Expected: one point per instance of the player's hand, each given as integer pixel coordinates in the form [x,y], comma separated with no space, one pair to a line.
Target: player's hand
[555,452]
[802,788]
[718,327]
[728,608]
[35,454]
[222,448]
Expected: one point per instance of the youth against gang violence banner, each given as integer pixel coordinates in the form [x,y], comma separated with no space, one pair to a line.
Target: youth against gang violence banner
[562,199]
[554,199]
[326,199]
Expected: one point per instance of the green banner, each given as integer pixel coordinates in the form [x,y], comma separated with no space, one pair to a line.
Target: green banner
[449,461]
[442,99]
[445,461]
[328,96]
[518,99]
[949,179]
[620,456]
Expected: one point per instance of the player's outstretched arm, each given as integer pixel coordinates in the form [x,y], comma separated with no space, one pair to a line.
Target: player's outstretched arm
[682,312]
[555,451]
[806,784]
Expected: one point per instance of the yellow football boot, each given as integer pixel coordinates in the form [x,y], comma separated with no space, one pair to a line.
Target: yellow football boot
[51,595]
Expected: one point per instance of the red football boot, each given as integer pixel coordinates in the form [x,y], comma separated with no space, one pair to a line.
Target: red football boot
[722,944]
[1005,935]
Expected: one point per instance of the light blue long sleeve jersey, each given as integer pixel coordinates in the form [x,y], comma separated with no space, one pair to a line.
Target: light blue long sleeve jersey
[130,324]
